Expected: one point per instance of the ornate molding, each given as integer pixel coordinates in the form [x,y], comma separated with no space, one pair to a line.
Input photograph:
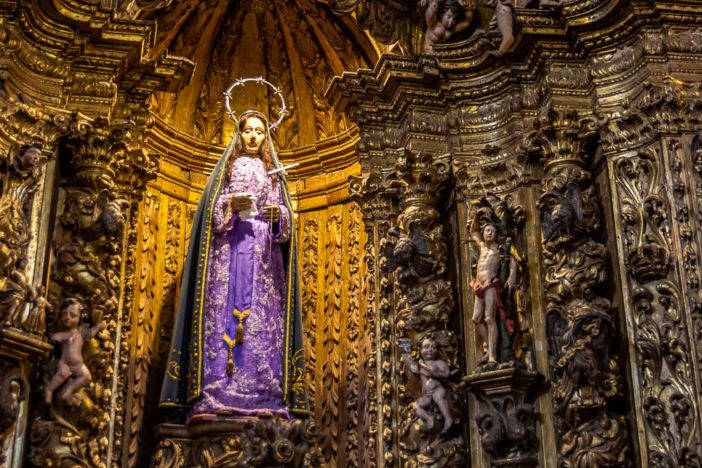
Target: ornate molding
[245,443]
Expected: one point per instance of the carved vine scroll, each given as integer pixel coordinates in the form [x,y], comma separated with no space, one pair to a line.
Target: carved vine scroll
[581,326]
[103,171]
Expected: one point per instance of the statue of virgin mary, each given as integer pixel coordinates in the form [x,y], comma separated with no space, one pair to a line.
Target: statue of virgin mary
[236,347]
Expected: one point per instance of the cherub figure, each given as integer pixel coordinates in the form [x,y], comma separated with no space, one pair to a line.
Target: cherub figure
[504,19]
[70,366]
[445,19]
[489,283]
[29,157]
[431,370]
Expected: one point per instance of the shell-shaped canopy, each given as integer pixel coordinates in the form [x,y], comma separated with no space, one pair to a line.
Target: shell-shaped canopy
[298,45]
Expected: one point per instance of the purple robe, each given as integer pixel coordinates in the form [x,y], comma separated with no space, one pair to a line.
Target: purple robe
[245,271]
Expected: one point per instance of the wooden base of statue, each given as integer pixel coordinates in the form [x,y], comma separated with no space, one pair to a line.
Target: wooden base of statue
[238,441]
[507,420]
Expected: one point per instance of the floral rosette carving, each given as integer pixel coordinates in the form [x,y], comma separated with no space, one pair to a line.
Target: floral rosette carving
[276,442]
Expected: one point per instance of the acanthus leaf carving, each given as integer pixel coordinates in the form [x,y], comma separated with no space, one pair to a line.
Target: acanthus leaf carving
[656,110]
[105,177]
[19,174]
[415,255]
[584,366]
[664,346]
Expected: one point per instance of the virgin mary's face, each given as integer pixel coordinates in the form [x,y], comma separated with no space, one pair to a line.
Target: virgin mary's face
[252,135]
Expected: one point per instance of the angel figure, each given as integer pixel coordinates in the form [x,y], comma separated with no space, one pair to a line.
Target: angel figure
[70,367]
[504,20]
[431,371]
[445,19]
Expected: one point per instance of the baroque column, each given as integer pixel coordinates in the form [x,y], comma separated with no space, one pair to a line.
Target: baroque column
[412,303]
[27,142]
[581,324]
[104,174]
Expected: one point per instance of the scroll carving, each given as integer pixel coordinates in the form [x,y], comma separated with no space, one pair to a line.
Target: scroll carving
[695,187]
[260,443]
[368,406]
[581,330]
[87,268]
[19,174]
[288,443]
[375,196]
[416,254]
[665,369]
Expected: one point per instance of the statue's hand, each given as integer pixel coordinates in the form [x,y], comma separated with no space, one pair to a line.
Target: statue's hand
[271,213]
[241,203]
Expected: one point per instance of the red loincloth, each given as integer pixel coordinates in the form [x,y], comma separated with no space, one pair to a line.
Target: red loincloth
[480,293]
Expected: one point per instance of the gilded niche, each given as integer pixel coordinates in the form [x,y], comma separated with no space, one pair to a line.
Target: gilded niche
[300,46]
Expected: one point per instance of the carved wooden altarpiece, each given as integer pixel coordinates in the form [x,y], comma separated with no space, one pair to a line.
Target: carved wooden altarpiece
[581,146]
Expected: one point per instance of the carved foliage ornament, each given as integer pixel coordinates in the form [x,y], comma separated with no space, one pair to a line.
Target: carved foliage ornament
[262,443]
[87,268]
[662,339]
[580,327]
[19,174]
[415,254]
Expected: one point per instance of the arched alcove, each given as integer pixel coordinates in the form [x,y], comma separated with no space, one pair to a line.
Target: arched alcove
[299,46]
